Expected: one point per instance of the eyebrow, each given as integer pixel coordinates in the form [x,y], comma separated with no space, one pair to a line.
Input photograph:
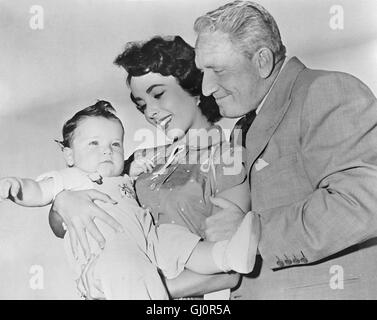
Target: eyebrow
[147,91]
[153,86]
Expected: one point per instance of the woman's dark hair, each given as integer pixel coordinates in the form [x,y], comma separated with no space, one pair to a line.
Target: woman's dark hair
[101,109]
[168,56]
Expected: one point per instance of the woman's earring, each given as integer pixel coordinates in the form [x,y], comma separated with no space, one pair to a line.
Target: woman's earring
[198,102]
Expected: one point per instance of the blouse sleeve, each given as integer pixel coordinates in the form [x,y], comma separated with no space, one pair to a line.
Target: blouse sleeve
[229,167]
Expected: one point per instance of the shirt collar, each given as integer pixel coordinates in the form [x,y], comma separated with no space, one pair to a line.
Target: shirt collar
[269,90]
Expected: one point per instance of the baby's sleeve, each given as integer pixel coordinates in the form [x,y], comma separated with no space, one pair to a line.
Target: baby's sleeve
[57,181]
[67,179]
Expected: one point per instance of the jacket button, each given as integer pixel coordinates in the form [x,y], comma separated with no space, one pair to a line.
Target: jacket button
[280,263]
[287,261]
[304,260]
[152,186]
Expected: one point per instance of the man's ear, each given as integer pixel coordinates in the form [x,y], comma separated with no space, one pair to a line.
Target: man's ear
[264,59]
[68,156]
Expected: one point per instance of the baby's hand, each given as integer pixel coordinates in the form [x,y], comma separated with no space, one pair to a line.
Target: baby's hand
[10,188]
[140,165]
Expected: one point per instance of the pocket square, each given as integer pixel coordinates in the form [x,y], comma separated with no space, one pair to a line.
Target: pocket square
[260,164]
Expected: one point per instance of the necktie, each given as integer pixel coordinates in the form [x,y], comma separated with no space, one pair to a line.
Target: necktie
[241,127]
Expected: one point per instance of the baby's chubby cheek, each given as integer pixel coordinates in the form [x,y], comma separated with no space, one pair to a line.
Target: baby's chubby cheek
[108,169]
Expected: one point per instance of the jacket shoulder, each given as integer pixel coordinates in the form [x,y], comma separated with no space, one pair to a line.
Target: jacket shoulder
[311,79]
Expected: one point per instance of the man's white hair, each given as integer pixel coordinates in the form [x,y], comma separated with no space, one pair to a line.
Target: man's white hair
[249,26]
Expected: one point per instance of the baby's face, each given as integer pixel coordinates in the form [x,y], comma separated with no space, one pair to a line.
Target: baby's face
[97,145]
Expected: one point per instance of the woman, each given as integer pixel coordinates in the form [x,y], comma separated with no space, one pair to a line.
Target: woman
[166,87]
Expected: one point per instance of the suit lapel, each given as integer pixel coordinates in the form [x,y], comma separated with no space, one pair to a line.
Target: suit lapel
[272,112]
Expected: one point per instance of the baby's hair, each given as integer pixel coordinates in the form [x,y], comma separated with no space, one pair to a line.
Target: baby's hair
[100,109]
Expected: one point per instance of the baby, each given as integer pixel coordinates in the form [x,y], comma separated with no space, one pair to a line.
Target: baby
[129,265]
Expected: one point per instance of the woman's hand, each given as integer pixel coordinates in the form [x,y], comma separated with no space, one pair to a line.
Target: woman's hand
[78,210]
[88,286]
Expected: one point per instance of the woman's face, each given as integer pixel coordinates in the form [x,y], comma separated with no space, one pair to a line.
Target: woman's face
[165,104]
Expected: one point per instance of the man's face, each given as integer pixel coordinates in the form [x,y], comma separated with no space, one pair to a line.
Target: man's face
[229,75]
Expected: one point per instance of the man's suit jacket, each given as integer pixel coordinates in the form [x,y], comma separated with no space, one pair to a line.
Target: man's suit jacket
[312,164]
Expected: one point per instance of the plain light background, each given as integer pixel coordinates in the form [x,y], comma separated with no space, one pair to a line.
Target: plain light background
[47,75]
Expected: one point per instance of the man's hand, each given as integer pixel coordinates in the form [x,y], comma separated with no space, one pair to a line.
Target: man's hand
[77,209]
[224,223]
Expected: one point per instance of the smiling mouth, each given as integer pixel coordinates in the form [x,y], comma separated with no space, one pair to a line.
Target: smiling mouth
[220,98]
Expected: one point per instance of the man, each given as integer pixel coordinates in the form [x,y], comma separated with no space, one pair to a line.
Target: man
[311,160]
